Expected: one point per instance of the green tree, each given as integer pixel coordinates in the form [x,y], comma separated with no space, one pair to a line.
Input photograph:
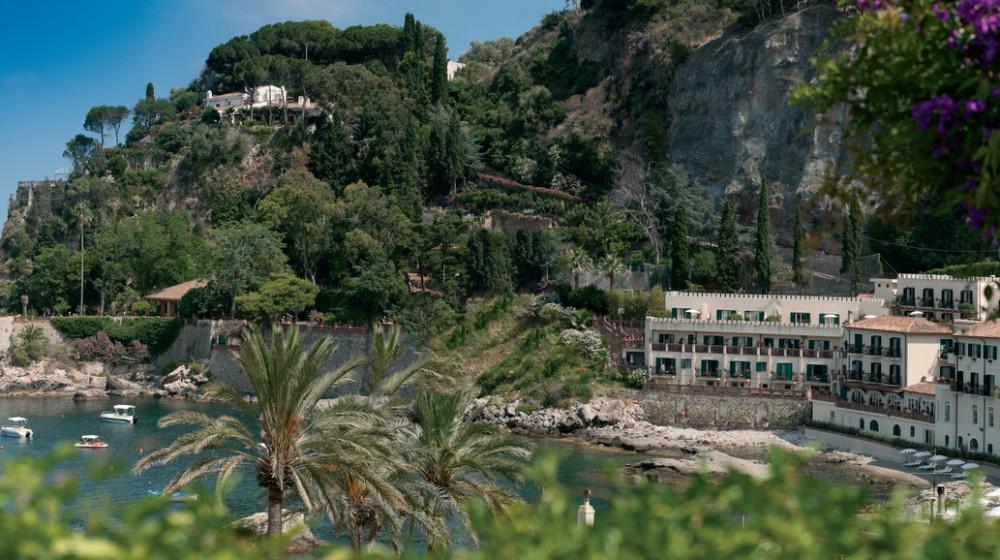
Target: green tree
[798,233]
[244,256]
[96,122]
[611,265]
[295,445]
[439,71]
[386,350]
[80,150]
[281,294]
[680,248]
[150,92]
[487,268]
[852,240]
[579,261]
[464,460]
[762,246]
[300,209]
[728,248]
[50,281]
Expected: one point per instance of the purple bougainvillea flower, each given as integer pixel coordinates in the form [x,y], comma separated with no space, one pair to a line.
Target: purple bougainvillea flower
[941,107]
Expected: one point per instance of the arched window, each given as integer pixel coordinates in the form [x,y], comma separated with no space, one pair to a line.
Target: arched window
[873,426]
[973,445]
[861,423]
[896,431]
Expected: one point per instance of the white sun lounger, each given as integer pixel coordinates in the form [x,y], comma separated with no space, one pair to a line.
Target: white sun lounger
[960,475]
[945,470]
[916,463]
[926,467]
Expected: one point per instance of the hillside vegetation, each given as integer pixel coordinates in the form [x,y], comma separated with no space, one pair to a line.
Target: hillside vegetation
[372,207]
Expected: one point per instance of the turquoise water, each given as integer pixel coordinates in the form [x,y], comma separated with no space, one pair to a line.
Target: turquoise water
[60,420]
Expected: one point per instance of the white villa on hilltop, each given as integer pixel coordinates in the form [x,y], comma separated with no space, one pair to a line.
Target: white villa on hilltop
[261,97]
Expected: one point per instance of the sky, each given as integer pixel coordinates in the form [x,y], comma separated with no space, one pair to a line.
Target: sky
[64,57]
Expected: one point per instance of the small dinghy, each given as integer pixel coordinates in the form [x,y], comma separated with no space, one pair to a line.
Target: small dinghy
[17,427]
[175,497]
[91,442]
[122,414]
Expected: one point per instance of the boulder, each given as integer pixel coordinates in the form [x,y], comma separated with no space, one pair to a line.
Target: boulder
[304,541]
[117,383]
[178,374]
[180,387]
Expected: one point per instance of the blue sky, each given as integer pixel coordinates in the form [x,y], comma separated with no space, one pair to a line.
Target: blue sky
[61,58]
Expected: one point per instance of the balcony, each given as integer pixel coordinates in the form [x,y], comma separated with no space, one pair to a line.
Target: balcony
[873,379]
[709,373]
[973,389]
[854,348]
[892,411]
[665,373]
[874,350]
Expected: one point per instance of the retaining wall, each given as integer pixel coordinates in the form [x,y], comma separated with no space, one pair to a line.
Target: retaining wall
[723,412]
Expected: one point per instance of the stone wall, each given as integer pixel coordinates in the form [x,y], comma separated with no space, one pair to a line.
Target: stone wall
[722,412]
[193,343]
[9,327]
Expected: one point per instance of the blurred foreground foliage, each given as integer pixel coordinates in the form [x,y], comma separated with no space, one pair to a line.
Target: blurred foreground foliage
[787,515]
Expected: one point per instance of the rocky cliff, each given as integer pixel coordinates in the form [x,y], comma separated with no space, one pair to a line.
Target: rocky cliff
[731,121]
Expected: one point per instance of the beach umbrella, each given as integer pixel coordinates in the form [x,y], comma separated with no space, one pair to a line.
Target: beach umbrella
[970,466]
[908,451]
[955,462]
[995,493]
[869,316]
[693,312]
[922,454]
[916,313]
[937,458]
[994,513]
[830,316]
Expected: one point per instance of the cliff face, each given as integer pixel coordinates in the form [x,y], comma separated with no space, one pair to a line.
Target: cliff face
[731,121]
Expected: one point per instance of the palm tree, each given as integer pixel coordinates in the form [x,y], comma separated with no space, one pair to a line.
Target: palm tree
[611,265]
[579,261]
[296,446]
[386,350]
[463,459]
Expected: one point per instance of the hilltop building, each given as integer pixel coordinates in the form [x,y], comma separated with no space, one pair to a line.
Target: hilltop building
[260,97]
[453,68]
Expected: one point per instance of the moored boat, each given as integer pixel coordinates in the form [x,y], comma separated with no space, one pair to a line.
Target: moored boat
[122,414]
[91,442]
[176,496]
[17,427]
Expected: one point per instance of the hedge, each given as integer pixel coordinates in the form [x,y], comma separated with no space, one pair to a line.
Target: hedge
[900,442]
[157,333]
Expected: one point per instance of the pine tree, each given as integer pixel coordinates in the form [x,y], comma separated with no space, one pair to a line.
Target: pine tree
[408,39]
[680,249]
[150,92]
[762,242]
[728,246]
[798,273]
[439,71]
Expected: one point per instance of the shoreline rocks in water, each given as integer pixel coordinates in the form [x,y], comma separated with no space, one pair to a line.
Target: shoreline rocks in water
[304,541]
[91,381]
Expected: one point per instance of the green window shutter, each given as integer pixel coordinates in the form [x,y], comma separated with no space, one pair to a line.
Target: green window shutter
[761,366]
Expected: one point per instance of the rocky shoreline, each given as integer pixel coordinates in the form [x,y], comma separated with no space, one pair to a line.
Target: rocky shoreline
[93,381]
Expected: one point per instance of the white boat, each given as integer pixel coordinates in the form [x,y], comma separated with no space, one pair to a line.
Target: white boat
[91,442]
[123,414]
[17,428]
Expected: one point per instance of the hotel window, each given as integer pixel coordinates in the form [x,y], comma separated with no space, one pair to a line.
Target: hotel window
[975,414]
[947,411]
[785,371]
[989,416]
[761,366]
[686,363]
[966,296]
[913,432]
[678,313]
[802,318]
[753,316]
[834,319]
[725,314]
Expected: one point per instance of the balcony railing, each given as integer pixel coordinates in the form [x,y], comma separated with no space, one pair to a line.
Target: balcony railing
[896,411]
[973,389]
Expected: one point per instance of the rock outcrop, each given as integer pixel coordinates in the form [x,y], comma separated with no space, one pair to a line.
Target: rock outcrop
[183,382]
[304,541]
[731,121]
[549,421]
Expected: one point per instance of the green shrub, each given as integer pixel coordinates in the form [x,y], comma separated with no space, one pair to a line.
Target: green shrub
[156,333]
[591,298]
[208,301]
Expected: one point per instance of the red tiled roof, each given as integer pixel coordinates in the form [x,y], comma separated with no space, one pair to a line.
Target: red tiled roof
[922,388]
[989,329]
[175,293]
[909,325]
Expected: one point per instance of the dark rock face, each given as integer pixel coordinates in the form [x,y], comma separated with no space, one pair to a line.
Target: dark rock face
[732,123]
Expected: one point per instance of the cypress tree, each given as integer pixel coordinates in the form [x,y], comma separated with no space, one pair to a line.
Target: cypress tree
[150,92]
[855,233]
[408,38]
[798,273]
[762,242]
[439,71]
[728,249]
[680,249]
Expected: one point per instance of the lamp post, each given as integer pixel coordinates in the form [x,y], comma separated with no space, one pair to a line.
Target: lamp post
[585,513]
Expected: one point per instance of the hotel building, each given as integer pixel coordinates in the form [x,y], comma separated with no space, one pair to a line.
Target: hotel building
[939,297]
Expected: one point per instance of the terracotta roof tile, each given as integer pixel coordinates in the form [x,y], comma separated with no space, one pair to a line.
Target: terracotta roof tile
[175,293]
[922,388]
[909,325]
[989,329]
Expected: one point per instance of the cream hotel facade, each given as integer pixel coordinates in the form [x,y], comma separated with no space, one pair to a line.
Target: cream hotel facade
[917,360]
